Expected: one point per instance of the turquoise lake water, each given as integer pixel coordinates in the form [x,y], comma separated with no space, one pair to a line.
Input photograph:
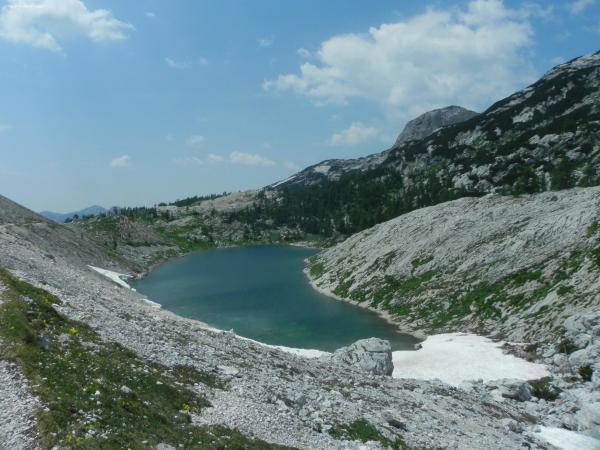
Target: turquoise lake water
[261,293]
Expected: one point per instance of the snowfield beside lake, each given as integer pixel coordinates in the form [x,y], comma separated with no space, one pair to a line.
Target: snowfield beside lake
[453,358]
[114,276]
[567,440]
[457,357]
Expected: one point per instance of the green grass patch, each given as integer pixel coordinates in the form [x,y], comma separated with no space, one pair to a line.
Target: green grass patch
[592,230]
[362,430]
[543,389]
[521,278]
[595,254]
[566,346]
[585,372]
[563,290]
[316,269]
[394,288]
[99,395]
[418,262]
[343,289]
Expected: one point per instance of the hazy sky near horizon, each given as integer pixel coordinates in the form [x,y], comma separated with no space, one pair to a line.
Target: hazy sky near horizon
[134,102]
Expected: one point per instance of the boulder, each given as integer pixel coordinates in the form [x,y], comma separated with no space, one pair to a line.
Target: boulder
[589,417]
[163,446]
[395,419]
[586,356]
[372,355]
[515,390]
[521,393]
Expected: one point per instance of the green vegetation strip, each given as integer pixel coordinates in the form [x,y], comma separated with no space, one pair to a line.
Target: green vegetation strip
[99,395]
[362,430]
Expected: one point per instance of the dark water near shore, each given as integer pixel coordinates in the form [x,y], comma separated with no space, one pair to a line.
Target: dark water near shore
[261,293]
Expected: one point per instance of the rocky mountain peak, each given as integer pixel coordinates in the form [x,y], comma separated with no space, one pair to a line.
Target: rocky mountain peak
[427,123]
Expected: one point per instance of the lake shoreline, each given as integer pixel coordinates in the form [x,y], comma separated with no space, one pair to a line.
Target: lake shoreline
[154,265]
[385,315]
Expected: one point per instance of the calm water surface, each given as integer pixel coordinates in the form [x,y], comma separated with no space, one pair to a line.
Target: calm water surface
[261,293]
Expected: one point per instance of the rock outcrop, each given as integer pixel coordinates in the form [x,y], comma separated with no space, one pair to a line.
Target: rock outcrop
[431,121]
[516,266]
[371,355]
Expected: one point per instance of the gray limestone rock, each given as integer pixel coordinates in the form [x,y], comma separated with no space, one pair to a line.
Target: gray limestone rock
[427,123]
[519,391]
[372,355]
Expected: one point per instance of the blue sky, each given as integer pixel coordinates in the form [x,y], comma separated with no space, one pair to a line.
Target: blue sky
[134,102]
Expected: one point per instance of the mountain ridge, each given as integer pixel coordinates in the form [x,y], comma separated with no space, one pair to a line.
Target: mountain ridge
[418,128]
[63,217]
[544,137]
[431,121]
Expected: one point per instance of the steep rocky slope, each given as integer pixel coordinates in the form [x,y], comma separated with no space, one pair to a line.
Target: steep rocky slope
[103,331]
[511,266]
[55,241]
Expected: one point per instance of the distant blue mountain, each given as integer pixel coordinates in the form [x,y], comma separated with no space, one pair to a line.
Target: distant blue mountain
[61,218]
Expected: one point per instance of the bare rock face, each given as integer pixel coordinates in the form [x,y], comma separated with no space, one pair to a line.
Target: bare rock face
[372,355]
[427,123]
[512,247]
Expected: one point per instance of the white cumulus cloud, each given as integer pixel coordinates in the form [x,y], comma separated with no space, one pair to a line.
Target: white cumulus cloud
[355,134]
[195,141]
[177,64]
[215,158]
[264,42]
[120,162]
[303,53]
[41,23]
[249,159]
[467,56]
[150,15]
[579,6]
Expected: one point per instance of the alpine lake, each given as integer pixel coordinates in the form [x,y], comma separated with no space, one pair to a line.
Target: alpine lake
[261,293]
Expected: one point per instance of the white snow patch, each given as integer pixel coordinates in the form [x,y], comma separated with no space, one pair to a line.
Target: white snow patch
[274,185]
[304,352]
[456,357]
[114,276]
[322,169]
[567,440]
[151,303]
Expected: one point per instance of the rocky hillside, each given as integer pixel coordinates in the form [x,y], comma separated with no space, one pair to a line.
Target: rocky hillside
[85,363]
[145,236]
[56,242]
[333,169]
[542,138]
[429,122]
[515,267]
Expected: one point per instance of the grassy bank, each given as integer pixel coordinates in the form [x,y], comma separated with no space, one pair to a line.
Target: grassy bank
[97,394]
